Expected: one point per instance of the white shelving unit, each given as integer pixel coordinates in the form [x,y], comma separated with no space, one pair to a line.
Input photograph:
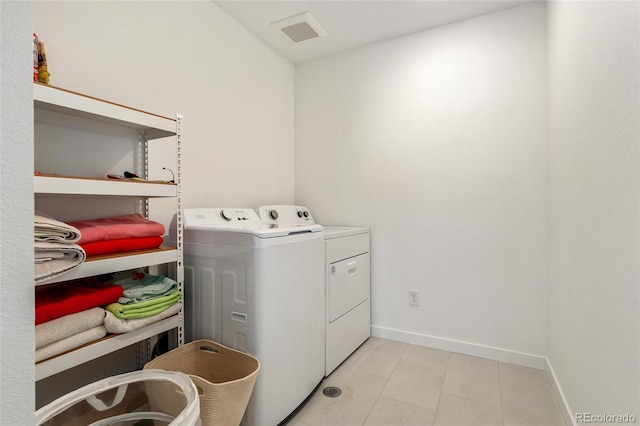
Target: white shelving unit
[75,136]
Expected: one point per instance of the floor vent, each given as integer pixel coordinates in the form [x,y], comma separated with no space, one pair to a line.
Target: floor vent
[331,392]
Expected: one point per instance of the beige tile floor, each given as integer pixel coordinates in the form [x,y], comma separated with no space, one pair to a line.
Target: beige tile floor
[391,383]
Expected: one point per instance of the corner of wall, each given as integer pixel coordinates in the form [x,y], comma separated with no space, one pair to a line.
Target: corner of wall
[557,391]
[17,372]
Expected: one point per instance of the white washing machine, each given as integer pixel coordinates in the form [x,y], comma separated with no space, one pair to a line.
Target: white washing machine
[259,289]
[348,292]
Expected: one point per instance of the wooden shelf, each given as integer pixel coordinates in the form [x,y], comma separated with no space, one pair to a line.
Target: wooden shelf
[101,347]
[103,264]
[75,185]
[78,105]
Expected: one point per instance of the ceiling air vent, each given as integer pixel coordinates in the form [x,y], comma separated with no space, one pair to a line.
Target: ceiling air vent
[299,28]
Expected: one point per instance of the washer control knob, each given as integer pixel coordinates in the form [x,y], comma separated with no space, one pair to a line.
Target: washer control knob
[226,215]
[299,213]
[273,214]
[305,213]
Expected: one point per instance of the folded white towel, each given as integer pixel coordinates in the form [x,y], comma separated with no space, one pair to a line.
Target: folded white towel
[49,229]
[53,259]
[117,325]
[68,325]
[70,343]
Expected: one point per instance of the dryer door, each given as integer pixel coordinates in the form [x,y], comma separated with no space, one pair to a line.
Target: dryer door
[348,285]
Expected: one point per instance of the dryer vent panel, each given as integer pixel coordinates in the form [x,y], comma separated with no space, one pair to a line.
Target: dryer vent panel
[299,28]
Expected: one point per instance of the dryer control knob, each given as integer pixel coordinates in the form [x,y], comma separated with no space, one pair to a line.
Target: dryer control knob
[299,213]
[226,215]
[306,213]
[273,214]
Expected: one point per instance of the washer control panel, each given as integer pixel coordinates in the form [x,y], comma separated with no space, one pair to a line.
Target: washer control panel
[220,217]
[288,215]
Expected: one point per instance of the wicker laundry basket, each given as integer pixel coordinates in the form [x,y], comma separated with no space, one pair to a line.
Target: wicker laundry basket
[224,378]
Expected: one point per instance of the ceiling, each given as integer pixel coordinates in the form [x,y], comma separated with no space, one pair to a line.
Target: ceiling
[351,24]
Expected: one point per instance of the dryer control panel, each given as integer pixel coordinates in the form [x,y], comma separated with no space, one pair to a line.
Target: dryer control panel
[208,218]
[286,215]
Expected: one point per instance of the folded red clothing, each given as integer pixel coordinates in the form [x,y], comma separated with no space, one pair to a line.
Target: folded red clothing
[120,245]
[72,297]
[118,227]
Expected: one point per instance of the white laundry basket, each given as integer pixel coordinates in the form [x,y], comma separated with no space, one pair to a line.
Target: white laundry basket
[125,400]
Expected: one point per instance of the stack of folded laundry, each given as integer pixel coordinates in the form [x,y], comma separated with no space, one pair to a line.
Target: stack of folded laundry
[118,234]
[145,299]
[68,315]
[55,248]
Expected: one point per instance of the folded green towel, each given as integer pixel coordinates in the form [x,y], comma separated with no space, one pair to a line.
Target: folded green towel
[139,286]
[143,309]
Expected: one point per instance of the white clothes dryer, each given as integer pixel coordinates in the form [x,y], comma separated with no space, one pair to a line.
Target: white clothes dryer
[348,292]
[259,289]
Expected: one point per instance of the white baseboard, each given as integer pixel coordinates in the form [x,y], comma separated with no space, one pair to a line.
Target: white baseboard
[503,355]
[557,390]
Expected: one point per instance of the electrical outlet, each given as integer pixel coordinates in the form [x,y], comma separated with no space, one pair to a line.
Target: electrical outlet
[414,298]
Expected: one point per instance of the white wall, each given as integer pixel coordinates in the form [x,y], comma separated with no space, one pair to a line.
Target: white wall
[185,57]
[16,210]
[437,141]
[594,333]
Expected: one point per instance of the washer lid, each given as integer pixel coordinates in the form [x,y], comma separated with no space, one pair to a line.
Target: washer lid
[270,232]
